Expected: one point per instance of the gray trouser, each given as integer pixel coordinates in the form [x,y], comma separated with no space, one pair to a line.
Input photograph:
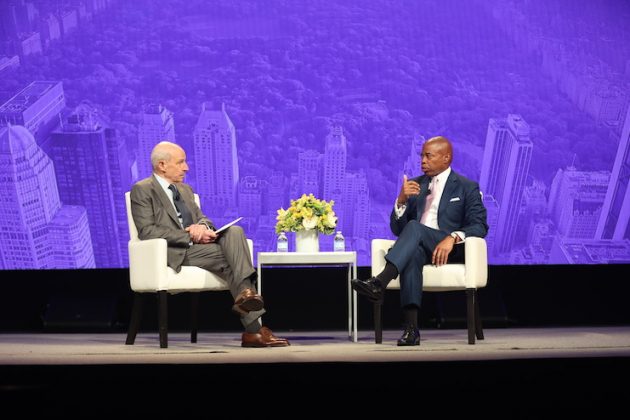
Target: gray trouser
[229,258]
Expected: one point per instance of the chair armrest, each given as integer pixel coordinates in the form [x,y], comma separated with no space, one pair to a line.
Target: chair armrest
[476,262]
[148,265]
[379,249]
[251,250]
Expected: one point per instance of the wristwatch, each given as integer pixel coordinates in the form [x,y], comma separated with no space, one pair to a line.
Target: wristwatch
[454,236]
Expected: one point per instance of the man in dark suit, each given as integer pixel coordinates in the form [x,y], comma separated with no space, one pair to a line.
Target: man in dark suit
[163,206]
[433,215]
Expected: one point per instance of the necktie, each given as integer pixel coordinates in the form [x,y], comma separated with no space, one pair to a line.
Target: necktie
[182,209]
[432,191]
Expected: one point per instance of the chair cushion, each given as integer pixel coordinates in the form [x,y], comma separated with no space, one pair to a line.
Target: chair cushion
[189,279]
[193,279]
[446,277]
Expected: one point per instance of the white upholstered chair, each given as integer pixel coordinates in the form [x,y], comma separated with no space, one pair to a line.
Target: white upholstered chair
[149,273]
[469,276]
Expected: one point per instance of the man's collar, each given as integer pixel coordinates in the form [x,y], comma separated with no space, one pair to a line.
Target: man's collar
[163,182]
[443,176]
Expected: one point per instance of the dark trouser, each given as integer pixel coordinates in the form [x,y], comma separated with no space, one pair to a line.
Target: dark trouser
[412,250]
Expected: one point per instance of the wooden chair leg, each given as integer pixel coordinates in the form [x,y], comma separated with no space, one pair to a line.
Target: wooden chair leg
[470,314]
[478,326]
[378,324]
[194,309]
[136,315]
[163,317]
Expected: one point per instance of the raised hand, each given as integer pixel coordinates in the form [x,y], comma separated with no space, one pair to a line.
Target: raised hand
[407,189]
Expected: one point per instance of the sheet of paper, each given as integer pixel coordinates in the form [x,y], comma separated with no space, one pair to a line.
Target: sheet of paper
[227,225]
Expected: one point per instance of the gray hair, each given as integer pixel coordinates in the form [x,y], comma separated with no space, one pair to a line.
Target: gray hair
[162,151]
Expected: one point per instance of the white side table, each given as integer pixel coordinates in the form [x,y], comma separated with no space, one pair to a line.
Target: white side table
[346,258]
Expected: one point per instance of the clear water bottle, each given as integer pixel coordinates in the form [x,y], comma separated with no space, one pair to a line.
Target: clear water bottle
[339,242]
[283,243]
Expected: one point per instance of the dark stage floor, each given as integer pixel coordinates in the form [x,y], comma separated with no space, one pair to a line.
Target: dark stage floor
[513,373]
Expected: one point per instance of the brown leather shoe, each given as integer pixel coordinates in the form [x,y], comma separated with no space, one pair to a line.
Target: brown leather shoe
[263,338]
[246,301]
[268,335]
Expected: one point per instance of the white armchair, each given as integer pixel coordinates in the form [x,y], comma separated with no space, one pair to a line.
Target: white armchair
[149,273]
[470,276]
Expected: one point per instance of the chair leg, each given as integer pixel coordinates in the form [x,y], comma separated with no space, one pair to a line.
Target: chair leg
[163,317]
[478,327]
[136,315]
[378,324]
[470,314]
[194,309]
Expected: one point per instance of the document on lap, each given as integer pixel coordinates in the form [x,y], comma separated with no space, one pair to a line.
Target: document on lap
[227,225]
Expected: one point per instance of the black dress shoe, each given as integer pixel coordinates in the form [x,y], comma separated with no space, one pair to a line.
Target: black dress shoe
[410,337]
[370,288]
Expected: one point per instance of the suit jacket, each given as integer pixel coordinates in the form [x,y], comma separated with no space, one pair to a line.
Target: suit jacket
[155,217]
[460,208]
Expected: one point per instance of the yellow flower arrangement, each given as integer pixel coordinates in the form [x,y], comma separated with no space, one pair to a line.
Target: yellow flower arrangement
[307,213]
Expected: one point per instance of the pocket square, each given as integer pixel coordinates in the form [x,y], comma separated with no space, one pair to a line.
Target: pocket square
[454,199]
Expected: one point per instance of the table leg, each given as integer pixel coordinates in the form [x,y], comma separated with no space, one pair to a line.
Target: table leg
[354,303]
[259,272]
[350,313]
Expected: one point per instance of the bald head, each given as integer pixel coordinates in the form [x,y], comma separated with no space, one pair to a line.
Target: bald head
[163,151]
[169,161]
[437,155]
[443,145]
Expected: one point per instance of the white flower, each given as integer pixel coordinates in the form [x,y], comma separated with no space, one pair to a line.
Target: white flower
[329,220]
[310,222]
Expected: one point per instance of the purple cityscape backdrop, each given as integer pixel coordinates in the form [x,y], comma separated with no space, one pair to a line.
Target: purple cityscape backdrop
[273,99]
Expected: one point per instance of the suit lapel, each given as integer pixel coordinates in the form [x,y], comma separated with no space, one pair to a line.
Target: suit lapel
[451,183]
[188,197]
[166,203]
[425,187]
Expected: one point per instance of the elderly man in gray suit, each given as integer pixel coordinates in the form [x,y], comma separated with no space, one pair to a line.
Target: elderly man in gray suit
[163,207]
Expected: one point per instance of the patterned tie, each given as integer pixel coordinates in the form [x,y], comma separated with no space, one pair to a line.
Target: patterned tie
[429,200]
[182,208]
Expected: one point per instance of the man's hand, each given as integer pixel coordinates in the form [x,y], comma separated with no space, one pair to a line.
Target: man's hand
[408,189]
[199,234]
[441,251]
